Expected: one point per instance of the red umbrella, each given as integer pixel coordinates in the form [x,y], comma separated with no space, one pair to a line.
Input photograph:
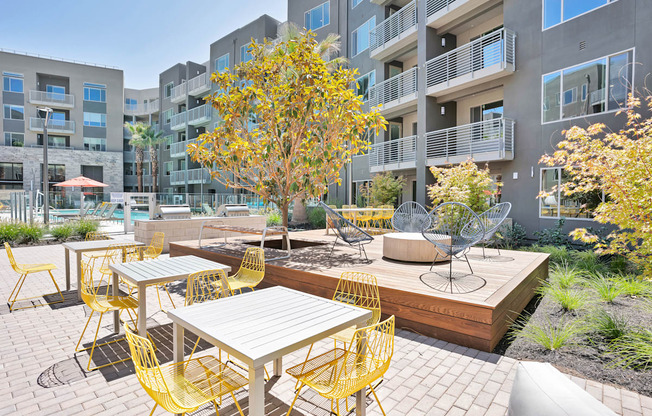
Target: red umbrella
[82,182]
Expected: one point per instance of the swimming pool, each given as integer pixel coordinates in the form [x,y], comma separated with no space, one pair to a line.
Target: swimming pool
[119,213]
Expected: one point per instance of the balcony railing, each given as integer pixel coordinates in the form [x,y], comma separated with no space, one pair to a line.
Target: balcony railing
[142,108]
[393,27]
[54,126]
[195,176]
[179,93]
[475,60]
[199,84]
[483,141]
[178,149]
[200,115]
[396,88]
[52,99]
[178,121]
[394,154]
[434,6]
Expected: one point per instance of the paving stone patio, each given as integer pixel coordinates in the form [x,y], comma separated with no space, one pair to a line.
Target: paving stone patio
[40,374]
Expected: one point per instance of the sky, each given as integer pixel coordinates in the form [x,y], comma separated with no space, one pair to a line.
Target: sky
[141,37]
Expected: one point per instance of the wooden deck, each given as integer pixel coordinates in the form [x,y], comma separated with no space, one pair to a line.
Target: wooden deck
[476,315]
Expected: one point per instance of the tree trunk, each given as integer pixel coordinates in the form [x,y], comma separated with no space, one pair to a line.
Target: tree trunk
[139,168]
[154,158]
[284,213]
[299,213]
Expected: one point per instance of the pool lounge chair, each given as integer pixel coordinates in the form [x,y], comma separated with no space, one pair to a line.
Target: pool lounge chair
[207,209]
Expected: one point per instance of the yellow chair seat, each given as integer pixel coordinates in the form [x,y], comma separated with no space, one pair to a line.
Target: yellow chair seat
[37,267]
[102,303]
[344,335]
[237,284]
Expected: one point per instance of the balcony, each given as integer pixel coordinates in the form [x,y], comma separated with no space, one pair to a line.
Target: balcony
[54,126]
[200,115]
[442,13]
[178,149]
[178,121]
[393,155]
[484,141]
[396,94]
[195,176]
[142,109]
[51,99]
[485,59]
[179,93]
[395,35]
[199,84]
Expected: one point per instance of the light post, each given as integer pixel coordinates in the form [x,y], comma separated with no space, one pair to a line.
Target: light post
[46,184]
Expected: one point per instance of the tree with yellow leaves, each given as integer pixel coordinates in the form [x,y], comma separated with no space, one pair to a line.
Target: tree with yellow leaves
[290,123]
[463,183]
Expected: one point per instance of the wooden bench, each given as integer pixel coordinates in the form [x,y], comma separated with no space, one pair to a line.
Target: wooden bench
[265,232]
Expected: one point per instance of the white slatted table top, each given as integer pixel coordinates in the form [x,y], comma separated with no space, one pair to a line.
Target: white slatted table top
[261,326]
[97,245]
[164,270]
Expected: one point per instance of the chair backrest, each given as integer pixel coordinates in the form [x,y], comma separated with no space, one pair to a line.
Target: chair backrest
[252,267]
[120,253]
[96,209]
[207,209]
[109,213]
[156,245]
[358,371]
[95,236]
[454,228]
[346,230]
[207,285]
[103,208]
[12,260]
[494,217]
[411,217]
[88,289]
[359,289]
[388,211]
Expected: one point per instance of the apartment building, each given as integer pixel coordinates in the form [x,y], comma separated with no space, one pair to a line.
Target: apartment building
[140,106]
[84,130]
[495,80]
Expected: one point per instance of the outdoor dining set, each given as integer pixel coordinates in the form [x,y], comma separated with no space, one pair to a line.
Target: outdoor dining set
[264,325]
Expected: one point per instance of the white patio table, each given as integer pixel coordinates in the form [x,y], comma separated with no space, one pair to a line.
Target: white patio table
[148,272]
[81,247]
[263,326]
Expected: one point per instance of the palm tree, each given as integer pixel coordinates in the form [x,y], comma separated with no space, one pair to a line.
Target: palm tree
[143,136]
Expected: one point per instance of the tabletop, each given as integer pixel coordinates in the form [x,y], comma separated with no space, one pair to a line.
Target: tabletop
[162,270]
[258,327]
[97,244]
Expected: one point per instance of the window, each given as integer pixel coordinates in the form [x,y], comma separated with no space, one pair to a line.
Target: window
[54,141]
[589,88]
[355,3]
[12,82]
[95,92]
[222,63]
[14,139]
[131,104]
[56,173]
[167,115]
[11,172]
[167,168]
[318,17]
[558,11]
[168,141]
[364,83]
[360,37]
[556,204]
[167,90]
[95,144]
[14,112]
[94,119]
[245,54]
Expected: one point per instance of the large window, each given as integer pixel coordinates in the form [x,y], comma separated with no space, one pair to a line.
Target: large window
[167,90]
[558,11]
[167,168]
[355,3]
[131,104]
[590,88]
[364,83]
[318,17]
[94,119]
[56,173]
[96,144]
[11,175]
[14,112]
[168,141]
[245,54]
[12,82]
[95,92]
[360,37]
[14,139]
[222,63]
[54,141]
[167,115]
[556,204]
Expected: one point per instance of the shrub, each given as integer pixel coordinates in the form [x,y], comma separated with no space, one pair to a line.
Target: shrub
[588,261]
[29,233]
[510,237]
[608,325]
[606,288]
[558,255]
[82,227]
[553,236]
[550,336]
[274,218]
[564,275]
[633,350]
[317,217]
[384,189]
[633,285]
[619,264]
[9,232]
[62,232]
[569,299]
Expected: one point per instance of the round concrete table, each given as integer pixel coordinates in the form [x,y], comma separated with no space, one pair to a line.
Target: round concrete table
[411,247]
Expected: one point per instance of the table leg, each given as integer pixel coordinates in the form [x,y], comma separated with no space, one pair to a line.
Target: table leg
[79,258]
[257,391]
[360,395]
[142,312]
[116,313]
[278,366]
[177,344]
[67,270]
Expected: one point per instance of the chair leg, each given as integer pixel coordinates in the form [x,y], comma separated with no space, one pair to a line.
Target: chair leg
[295,399]
[435,259]
[237,404]
[296,386]
[498,248]
[365,252]
[169,296]
[19,285]
[377,400]
[83,332]
[56,285]
[483,255]
[467,262]
[153,408]
[332,248]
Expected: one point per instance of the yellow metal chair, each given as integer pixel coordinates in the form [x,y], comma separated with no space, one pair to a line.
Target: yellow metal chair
[24,270]
[386,215]
[339,373]
[348,214]
[151,252]
[182,387]
[377,219]
[96,235]
[101,304]
[365,217]
[251,272]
